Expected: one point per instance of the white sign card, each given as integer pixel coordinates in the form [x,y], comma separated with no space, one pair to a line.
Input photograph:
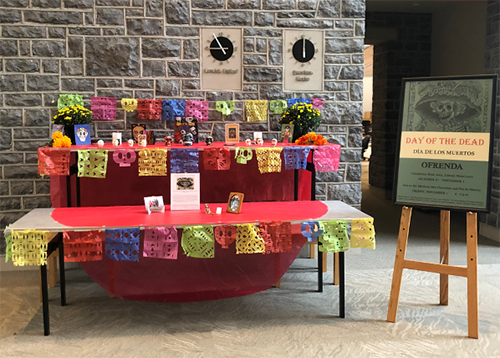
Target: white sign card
[185,191]
[154,203]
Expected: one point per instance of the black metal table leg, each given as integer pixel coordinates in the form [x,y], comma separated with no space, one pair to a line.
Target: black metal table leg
[341,285]
[62,275]
[320,269]
[296,185]
[45,300]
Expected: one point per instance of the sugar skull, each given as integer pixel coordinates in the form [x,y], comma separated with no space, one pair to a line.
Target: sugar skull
[187,139]
[82,134]
[168,140]
[100,143]
[248,141]
[274,141]
[209,140]
[260,141]
[131,142]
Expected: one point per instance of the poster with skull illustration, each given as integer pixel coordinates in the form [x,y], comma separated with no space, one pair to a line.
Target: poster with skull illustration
[82,134]
[445,144]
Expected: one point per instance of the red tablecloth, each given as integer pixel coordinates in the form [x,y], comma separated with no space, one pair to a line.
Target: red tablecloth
[187,279]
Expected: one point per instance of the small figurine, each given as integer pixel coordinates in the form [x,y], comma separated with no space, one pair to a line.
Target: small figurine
[130,142]
[115,142]
[209,140]
[207,210]
[260,141]
[274,141]
[248,141]
[187,139]
[100,143]
[168,140]
[142,140]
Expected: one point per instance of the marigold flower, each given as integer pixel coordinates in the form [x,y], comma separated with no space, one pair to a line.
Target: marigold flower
[56,135]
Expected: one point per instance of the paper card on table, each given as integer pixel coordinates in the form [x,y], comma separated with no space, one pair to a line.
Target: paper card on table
[160,243]
[83,246]
[362,233]
[154,203]
[53,162]
[122,244]
[185,191]
[198,241]
[248,240]
[29,248]
[82,134]
[334,238]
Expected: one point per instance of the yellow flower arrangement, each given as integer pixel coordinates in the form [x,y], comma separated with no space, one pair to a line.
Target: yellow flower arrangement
[303,116]
[73,115]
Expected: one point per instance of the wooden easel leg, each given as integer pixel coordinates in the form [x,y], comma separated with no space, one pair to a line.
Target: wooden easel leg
[444,255]
[336,268]
[472,275]
[325,262]
[53,268]
[311,250]
[277,284]
[404,228]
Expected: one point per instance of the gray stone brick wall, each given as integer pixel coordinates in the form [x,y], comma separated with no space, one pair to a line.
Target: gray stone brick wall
[492,65]
[407,56]
[151,49]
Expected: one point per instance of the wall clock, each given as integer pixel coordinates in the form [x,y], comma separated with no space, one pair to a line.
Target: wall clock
[303,51]
[221,59]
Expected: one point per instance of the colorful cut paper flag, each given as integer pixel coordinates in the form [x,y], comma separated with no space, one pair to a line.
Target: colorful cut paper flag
[296,157]
[53,161]
[293,101]
[172,108]
[149,109]
[225,235]
[243,155]
[248,240]
[317,103]
[122,244]
[184,160]
[311,230]
[225,107]
[217,159]
[124,157]
[197,109]
[334,238]
[161,243]
[129,104]
[198,241]
[83,246]
[269,160]
[152,162]
[363,233]
[277,236]
[326,158]
[67,100]
[256,110]
[278,106]
[103,108]
[29,248]
[92,163]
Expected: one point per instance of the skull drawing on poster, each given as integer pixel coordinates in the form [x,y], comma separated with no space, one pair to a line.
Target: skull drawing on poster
[82,134]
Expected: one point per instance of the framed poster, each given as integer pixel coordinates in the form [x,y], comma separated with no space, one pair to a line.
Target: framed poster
[183,126]
[82,134]
[232,133]
[286,134]
[136,130]
[445,145]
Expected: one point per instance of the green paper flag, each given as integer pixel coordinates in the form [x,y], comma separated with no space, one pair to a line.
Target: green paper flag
[8,241]
[66,100]
[334,238]
[198,241]
[225,107]
[278,106]
[92,163]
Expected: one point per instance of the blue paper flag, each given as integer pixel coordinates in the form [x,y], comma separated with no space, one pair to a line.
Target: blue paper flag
[296,157]
[172,108]
[184,160]
[293,101]
[122,244]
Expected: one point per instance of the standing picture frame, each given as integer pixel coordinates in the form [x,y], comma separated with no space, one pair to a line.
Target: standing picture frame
[232,133]
[234,203]
[445,143]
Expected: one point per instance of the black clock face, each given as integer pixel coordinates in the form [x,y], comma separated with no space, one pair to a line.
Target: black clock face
[216,50]
[303,50]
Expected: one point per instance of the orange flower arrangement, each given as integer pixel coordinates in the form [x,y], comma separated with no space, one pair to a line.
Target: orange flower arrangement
[60,141]
[311,139]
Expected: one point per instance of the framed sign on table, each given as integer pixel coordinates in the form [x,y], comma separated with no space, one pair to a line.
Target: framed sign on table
[445,146]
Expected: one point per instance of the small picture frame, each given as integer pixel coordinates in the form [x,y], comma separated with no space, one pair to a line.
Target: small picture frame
[234,203]
[286,133]
[232,133]
[57,128]
[82,134]
[154,203]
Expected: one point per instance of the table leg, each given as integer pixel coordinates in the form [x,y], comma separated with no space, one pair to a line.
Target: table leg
[45,300]
[342,285]
[62,275]
[320,269]
[296,185]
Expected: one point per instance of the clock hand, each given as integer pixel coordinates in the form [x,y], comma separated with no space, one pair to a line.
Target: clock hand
[216,39]
[303,47]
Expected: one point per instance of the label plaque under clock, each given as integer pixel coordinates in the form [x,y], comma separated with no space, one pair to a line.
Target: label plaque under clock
[221,59]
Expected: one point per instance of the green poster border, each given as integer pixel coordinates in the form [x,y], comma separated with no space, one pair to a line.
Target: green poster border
[494,80]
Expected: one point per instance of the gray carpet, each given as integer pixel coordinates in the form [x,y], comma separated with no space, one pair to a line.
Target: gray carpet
[292,321]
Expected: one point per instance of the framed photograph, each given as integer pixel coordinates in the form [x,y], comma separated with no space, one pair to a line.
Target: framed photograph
[234,203]
[82,134]
[57,128]
[286,133]
[136,130]
[154,203]
[232,133]
[445,145]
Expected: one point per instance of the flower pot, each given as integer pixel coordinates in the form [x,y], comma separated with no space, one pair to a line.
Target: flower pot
[298,132]
[69,131]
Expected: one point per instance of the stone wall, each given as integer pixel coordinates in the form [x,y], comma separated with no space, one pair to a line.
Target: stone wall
[151,49]
[407,55]
[492,65]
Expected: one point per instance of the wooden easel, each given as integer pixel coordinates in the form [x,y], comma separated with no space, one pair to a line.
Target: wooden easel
[470,271]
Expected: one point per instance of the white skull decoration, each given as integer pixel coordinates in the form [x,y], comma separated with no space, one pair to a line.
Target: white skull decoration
[82,134]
